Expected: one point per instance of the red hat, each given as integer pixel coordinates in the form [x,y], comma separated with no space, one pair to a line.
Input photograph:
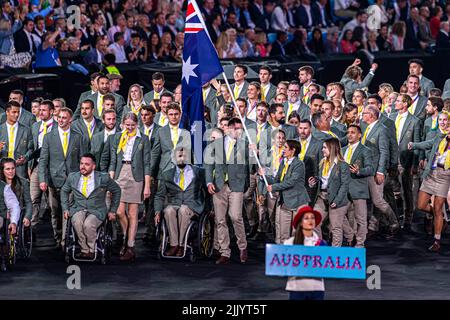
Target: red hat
[303,210]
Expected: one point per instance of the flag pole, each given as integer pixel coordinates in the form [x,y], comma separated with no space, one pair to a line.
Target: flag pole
[246,130]
[194,3]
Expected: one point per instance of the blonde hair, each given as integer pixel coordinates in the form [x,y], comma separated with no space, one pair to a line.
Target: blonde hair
[141,93]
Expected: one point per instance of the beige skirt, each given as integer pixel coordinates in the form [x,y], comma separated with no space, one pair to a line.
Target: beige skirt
[131,189]
[437,183]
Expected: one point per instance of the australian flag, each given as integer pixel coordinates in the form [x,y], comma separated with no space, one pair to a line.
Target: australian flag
[200,65]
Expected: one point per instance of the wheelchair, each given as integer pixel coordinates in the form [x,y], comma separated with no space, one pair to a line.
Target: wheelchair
[198,239]
[103,243]
[24,239]
[8,245]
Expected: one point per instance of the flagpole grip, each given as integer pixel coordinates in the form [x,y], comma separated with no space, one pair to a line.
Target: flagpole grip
[246,131]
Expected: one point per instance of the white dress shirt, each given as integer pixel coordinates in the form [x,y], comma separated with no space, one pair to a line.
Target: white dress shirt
[107,133]
[129,147]
[119,52]
[354,146]
[415,99]
[90,184]
[41,131]
[401,124]
[324,179]
[188,176]
[12,204]
[150,130]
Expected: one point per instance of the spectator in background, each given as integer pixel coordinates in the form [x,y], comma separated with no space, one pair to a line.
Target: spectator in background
[248,44]
[320,14]
[6,35]
[143,27]
[279,20]
[160,25]
[95,55]
[39,29]
[171,25]
[358,39]
[316,44]
[233,51]
[347,46]
[414,38]
[23,40]
[47,56]
[435,21]
[118,48]
[278,45]
[262,48]
[397,37]
[443,40]
[164,53]
[120,26]
[222,45]
[178,45]
[214,26]
[66,55]
[136,52]
[332,42]
[153,48]
[345,8]
[359,21]
[372,45]
[424,25]
[383,38]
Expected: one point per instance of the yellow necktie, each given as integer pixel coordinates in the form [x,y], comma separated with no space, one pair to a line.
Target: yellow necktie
[124,140]
[45,129]
[84,187]
[383,107]
[291,107]
[11,143]
[156,95]
[162,120]
[89,127]
[147,131]
[331,134]
[236,91]
[360,109]
[283,173]
[263,95]
[305,95]
[434,123]
[228,155]
[258,134]
[397,126]
[326,168]
[443,146]
[363,141]
[204,96]
[100,106]
[134,109]
[181,182]
[174,136]
[348,159]
[65,142]
[303,152]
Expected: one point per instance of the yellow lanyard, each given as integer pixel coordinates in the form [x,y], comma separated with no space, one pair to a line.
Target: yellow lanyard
[326,168]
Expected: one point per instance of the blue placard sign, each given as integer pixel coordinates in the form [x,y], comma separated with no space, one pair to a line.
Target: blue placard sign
[316,262]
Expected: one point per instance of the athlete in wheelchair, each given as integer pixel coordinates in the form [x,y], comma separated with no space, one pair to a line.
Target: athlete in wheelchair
[9,219]
[186,226]
[21,188]
[89,231]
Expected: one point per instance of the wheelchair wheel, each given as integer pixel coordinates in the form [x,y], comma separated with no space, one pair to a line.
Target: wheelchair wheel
[164,238]
[206,235]
[25,241]
[106,242]
[12,250]
[69,241]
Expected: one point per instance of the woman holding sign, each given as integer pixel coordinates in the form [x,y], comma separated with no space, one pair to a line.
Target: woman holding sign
[334,179]
[304,223]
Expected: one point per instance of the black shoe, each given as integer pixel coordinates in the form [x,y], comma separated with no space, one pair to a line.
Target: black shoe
[252,232]
[259,236]
[435,247]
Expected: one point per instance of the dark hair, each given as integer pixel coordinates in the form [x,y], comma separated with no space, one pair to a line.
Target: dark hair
[105,112]
[91,103]
[158,76]
[376,97]
[267,68]
[16,184]
[274,106]
[243,67]
[355,126]
[306,121]
[48,103]
[417,61]
[17,91]
[90,156]
[437,102]
[173,106]
[294,144]
[109,96]
[294,114]
[118,36]
[166,94]
[308,69]
[242,100]
[149,109]
[316,118]
[234,121]
[317,96]
[95,75]
[435,92]
[11,104]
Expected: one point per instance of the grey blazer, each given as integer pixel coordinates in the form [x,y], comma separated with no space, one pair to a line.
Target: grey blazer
[271,93]
[351,85]
[36,150]
[140,158]
[149,96]
[26,118]
[23,146]
[312,159]
[420,111]
[303,111]
[156,127]
[193,196]
[83,97]
[53,167]
[359,186]
[237,168]
[243,93]
[80,127]
[292,189]
[433,145]
[338,184]
[378,142]
[393,145]
[95,203]
[162,150]
[425,86]
[119,103]
[101,150]
[410,133]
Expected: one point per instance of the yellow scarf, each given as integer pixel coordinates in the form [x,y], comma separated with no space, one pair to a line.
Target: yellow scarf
[326,168]
[124,139]
[442,148]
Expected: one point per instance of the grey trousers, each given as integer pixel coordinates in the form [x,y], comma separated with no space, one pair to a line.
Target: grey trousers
[283,223]
[406,183]
[177,219]
[336,218]
[357,222]
[376,194]
[36,197]
[227,201]
[59,226]
[86,226]
[249,201]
